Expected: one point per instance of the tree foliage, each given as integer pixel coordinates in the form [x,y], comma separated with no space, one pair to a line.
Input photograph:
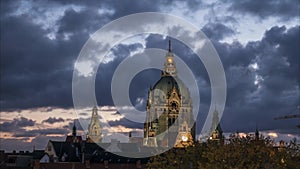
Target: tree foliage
[237,152]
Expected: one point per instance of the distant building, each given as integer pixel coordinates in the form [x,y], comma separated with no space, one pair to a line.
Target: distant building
[137,140]
[85,153]
[22,159]
[74,138]
[77,153]
[168,99]
[216,130]
[60,151]
[94,130]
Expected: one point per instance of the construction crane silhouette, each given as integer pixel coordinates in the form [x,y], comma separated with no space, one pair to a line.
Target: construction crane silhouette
[290,115]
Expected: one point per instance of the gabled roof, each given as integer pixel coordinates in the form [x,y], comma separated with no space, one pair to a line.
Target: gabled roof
[90,148]
[70,139]
[38,154]
[97,153]
[70,151]
[124,147]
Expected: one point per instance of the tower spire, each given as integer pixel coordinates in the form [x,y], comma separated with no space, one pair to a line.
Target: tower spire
[169,66]
[74,129]
[256,133]
[95,133]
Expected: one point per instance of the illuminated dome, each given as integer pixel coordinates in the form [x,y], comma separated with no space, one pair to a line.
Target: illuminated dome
[168,99]
[166,84]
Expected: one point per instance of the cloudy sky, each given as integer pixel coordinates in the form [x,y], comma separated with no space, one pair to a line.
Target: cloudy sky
[257,41]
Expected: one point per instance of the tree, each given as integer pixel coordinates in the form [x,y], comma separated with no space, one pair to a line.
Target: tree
[238,152]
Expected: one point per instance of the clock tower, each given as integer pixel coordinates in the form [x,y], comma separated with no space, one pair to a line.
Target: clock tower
[168,100]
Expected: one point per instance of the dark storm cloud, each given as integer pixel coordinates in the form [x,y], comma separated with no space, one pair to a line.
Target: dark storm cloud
[52,120]
[285,9]
[25,134]
[248,104]
[277,57]
[217,31]
[38,143]
[77,124]
[7,7]
[283,42]
[86,20]
[105,73]
[126,123]
[37,71]
[38,132]
[34,73]
[16,127]
[127,7]
[50,131]
[16,124]
[140,85]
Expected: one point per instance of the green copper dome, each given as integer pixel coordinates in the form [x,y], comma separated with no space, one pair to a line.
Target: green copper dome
[166,83]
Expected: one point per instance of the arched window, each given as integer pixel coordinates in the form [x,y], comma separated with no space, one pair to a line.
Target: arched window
[174,105]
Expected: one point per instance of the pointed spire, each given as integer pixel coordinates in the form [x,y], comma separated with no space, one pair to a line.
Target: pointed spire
[74,129]
[95,110]
[215,120]
[216,130]
[94,131]
[256,133]
[169,45]
[169,66]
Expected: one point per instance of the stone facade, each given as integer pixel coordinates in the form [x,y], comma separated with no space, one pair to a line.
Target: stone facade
[169,112]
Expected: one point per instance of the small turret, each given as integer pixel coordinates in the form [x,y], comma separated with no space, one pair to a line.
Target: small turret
[74,130]
[74,138]
[216,130]
[169,66]
[129,134]
[256,134]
